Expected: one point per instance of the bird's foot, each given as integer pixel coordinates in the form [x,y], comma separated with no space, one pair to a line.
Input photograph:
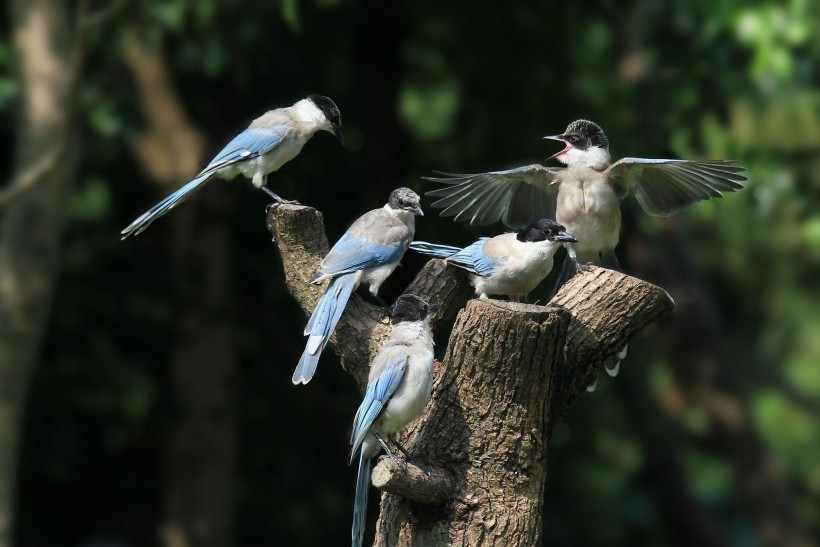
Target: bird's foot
[279,199]
[401,463]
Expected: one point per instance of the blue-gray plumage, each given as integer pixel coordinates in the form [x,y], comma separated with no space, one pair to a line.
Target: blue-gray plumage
[398,388]
[510,264]
[367,253]
[585,196]
[267,144]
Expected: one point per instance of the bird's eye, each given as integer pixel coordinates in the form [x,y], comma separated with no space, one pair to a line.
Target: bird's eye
[572,139]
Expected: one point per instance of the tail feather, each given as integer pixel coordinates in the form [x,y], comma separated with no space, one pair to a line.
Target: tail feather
[360,505]
[321,325]
[567,271]
[143,221]
[609,260]
[434,249]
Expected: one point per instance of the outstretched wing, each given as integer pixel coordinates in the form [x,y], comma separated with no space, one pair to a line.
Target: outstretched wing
[249,144]
[515,196]
[376,397]
[663,187]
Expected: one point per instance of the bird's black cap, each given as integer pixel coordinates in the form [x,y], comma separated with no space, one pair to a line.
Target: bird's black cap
[406,199]
[409,307]
[544,230]
[331,112]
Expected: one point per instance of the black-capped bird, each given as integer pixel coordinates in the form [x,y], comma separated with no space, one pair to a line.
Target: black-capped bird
[269,142]
[585,195]
[510,264]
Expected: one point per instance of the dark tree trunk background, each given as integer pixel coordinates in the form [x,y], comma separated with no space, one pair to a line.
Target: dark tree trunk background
[201,452]
[709,375]
[509,373]
[33,218]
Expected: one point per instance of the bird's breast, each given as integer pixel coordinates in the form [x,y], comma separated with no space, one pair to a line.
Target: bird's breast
[590,210]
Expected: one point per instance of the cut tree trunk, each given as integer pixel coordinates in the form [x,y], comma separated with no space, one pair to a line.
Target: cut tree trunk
[510,372]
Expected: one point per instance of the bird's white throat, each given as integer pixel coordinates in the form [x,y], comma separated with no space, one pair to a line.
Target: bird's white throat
[593,157]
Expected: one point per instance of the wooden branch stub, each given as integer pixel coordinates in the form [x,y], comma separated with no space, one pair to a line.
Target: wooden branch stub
[428,484]
[300,235]
[608,308]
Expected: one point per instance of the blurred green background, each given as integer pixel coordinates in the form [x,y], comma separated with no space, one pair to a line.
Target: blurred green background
[162,382]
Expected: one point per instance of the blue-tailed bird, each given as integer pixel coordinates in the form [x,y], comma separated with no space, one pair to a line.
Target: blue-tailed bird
[398,388]
[510,264]
[367,253]
[269,142]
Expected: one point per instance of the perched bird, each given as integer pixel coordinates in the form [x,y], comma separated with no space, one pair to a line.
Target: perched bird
[398,388]
[269,142]
[511,264]
[367,253]
[585,195]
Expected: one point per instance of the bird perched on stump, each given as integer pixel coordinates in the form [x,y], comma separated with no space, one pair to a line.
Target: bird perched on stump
[510,264]
[367,253]
[585,195]
[398,389]
[269,142]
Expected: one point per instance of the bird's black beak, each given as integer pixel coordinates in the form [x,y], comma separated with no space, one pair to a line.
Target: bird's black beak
[564,236]
[337,132]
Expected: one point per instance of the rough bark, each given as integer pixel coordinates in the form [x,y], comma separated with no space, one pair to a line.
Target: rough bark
[33,220]
[510,371]
[202,445]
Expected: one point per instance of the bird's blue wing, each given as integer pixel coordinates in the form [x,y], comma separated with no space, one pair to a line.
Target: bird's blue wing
[247,145]
[352,253]
[514,196]
[473,259]
[376,397]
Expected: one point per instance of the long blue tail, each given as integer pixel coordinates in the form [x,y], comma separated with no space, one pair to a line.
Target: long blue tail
[434,249]
[360,505]
[322,323]
[161,208]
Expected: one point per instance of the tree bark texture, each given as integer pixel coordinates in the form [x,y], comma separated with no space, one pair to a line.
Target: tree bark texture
[201,451]
[478,470]
[32,224]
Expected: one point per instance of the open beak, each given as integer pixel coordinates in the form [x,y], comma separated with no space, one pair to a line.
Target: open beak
[337,132]
[565,237]
[561,139]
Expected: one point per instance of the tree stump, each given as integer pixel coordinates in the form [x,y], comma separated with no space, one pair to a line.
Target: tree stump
[510,371]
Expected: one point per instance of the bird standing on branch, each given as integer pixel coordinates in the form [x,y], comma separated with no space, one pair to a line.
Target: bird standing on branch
[271,140]
[367,253]
[398,389]
[585,195]
[511,264]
